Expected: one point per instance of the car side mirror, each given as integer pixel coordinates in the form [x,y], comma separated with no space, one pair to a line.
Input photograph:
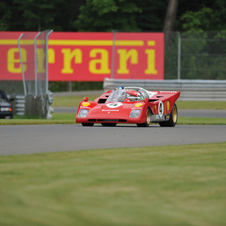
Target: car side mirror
[86,99]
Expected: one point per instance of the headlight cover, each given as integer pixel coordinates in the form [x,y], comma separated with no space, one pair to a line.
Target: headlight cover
[83,113]
[134,113]
[5,109]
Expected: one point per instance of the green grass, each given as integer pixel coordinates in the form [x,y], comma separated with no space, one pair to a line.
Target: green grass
[171,185]
[216,105]
[58,118]
[73,101]
[201,121]
[70,101]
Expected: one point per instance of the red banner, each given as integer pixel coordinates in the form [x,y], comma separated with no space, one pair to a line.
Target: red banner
[89,56]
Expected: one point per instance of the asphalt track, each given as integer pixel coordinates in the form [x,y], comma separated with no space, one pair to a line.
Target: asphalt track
[29,139]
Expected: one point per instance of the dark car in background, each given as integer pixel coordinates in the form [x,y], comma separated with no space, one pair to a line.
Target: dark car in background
[6,110]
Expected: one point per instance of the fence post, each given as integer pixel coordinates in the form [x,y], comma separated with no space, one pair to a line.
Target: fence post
[35,50]
[21,63]
[46,50]
[179,56]
[113,55]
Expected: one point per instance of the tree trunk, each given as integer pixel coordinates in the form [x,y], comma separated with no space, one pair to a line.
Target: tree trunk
[170,19]
[170,15]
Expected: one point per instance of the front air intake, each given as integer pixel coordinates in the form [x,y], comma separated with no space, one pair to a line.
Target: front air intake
[107,120]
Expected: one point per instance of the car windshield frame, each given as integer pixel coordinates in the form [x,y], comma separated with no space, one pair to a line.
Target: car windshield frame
[119,95]
[142,91]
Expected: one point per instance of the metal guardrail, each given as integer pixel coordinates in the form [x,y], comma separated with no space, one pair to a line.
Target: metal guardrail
[190,89]
[20,104]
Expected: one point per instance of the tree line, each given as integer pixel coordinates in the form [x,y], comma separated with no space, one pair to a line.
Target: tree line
[108,15]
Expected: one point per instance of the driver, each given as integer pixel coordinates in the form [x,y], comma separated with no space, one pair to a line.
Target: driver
[121,96]
[117,96]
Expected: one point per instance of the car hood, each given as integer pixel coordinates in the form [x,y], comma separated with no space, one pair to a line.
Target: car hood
[114,108]
[4,103]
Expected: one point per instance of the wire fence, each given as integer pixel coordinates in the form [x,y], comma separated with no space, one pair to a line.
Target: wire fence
[199,55]
[25,56]
[186,55]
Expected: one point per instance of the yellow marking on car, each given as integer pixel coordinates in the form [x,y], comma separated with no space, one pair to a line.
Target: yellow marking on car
[86,104]
[138,105]
[168,105]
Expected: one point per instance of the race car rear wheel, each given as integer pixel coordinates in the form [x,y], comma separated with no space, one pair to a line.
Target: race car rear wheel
[173,118]
[87,124]
[108,124]
[148,119]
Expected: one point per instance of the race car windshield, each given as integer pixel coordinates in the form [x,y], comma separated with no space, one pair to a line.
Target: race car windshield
[117,96]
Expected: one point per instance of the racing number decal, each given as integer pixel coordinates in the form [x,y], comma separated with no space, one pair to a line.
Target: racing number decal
[161,109]
[114,105]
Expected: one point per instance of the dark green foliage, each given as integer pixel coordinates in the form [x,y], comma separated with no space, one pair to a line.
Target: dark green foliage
[208,16]
[152,16]
[76,86]
[13,87]
[5,15]
[36,15]
[108,15]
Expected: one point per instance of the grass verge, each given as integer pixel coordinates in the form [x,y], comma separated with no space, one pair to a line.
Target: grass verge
[58,118]
[70,101]
[69,118]
[215,105]
[169,185]
[201,121]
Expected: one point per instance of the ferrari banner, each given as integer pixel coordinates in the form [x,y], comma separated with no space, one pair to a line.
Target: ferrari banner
[88,56]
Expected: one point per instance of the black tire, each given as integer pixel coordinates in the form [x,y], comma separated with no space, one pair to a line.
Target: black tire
[87,124]
[173,118]
[148,119]
[108,124]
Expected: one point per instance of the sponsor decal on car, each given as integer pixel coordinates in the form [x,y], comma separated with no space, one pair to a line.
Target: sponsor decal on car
[109,110]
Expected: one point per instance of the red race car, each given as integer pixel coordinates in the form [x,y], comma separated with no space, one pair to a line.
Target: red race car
[130,105]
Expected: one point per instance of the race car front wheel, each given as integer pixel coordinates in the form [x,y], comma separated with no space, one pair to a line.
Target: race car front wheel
[87,124]
[148,119]
[173,118]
